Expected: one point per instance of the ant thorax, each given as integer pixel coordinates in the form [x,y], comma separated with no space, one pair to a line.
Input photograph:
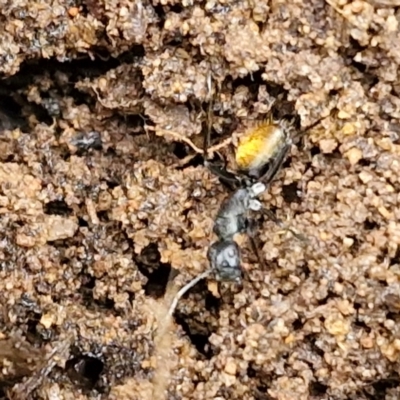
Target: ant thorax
[232,217]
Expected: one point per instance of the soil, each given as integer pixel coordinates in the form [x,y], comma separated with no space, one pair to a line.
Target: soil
[107,208]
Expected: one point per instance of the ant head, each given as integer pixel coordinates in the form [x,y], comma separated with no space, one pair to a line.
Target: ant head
[224,257]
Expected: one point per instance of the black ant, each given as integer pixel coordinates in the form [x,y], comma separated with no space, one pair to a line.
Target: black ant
[260,155]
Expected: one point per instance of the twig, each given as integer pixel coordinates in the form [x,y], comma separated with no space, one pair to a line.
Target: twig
[178,136]
[335,7]
[219,146]
[211,150]
[164,336]
[163,343]
[184,161]
[188,286]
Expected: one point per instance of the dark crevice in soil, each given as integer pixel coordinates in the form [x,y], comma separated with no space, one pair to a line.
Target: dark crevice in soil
[287,163]
[13,100]
[82,222]
[196,161]
[150,256]
[180,150]
[282,108]
[314,151]
[106,304]
[76,69]
[356,245]
[161,13]
[382,385]
[198,332]
[371,225]
[361,324]
[333,157]
[157,281]
[200,339]
[212,303]
[11,116]
[312,339]
[134,121]
[157,273]
[3,386]
[261,393]
[36,333]
[103,304]
[396,258]
[262,381]
[58,207]
[252,82]
[378,390]
[290,193]
[369,78]
[305,269]
[84,370]
[297,324]
[317,389]
[103,216]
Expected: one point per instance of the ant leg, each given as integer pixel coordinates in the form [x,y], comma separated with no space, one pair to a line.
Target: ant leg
[185,288]
[277,221]
[228,178]
[206,143]
[254,242]
[275,165]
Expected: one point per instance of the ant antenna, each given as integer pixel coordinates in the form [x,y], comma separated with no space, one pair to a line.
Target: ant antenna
[188,286]
[301,132]
[228,178]
[314,124]
[206,143]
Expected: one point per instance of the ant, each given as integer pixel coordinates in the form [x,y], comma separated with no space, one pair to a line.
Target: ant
[260,155]
[233,216]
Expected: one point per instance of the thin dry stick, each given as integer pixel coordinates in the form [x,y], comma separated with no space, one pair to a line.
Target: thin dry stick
[185,289]
[220,146]
[335,7]
[163,340]
[184,161]
[211,150]
[178,136]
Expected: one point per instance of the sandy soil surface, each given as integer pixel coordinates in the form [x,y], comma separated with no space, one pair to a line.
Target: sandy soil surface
[103,106]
